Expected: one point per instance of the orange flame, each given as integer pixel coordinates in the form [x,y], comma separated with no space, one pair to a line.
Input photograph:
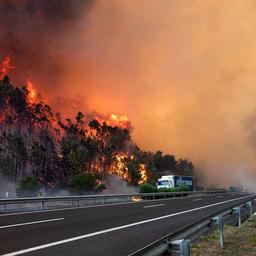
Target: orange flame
[32,93]
[114,120]
[5,66]
[143,174]
[121,121]
[120,168]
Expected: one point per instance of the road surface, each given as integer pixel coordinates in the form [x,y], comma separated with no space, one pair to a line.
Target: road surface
[104,230]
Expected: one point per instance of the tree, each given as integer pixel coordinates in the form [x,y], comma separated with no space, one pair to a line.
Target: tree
[18,151]
[133,172]
[7,165]
[74,158]
[185,167]
[92,144]
[164,162]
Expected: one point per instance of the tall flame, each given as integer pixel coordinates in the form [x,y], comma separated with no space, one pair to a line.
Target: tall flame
[5,66]
[143,174]
[121,168]
[32,93]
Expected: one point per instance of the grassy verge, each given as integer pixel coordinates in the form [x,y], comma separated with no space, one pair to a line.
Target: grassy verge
[238,242]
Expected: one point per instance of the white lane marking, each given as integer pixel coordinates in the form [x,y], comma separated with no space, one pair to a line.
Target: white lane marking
[154,205]
[40,247]
[219,196]
[198,199]
[30,223]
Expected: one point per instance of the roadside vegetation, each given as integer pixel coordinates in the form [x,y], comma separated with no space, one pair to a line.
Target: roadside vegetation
[28,186]
[149,188]
[237,241]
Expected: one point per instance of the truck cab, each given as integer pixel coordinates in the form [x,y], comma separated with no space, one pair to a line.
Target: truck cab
[165,182]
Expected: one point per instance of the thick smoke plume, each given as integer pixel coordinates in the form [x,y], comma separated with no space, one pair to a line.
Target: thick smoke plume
[183,71]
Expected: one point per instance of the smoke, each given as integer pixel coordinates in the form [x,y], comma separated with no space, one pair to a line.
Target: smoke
[7,187]
[116,185]
[183,71]
[36,35]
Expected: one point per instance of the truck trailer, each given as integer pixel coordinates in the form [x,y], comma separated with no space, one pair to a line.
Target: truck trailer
[173,181]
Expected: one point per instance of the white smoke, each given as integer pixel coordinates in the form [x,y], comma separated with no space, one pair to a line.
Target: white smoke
[116,185]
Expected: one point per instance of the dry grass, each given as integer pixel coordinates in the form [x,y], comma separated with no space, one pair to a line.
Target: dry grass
[237,242]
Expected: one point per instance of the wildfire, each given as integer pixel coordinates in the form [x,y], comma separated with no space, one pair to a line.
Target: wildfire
[123,164]
[5,66]
[143,174]
[114,120]
[120,167]
[121,121]
[32,93]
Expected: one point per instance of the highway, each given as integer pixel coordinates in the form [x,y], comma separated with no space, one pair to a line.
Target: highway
[106,230]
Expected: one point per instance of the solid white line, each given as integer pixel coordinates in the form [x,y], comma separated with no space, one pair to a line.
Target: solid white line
[30,223]
[154,205]
[40,247]
[198,199]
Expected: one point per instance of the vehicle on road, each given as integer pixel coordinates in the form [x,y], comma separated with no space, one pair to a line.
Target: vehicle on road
[174,181]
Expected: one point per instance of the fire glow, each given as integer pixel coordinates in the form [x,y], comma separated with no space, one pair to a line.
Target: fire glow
[57,130]
[5,66]
[121,168]
[32,96]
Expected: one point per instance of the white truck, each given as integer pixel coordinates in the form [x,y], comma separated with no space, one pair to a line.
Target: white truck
[173,181]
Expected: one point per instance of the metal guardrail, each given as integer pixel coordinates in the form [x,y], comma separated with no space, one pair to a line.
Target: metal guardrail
[179,242]
[102,199]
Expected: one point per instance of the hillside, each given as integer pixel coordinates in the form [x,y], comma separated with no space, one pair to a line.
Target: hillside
[35,141]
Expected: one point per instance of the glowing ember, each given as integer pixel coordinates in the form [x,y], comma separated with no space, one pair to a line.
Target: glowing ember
[136,199]
[32,91]
[5,66]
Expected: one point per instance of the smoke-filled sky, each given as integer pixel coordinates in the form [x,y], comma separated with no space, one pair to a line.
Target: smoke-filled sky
[183,71]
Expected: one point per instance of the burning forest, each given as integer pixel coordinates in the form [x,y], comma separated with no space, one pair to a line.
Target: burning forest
[35,141]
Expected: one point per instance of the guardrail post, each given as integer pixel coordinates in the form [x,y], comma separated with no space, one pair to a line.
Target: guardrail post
[238,211]
[4,207]
[219,221]
[181,246]
[249,205]
[77,203]
[42,206]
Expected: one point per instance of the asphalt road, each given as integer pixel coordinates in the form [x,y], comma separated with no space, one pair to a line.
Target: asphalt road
[104,230]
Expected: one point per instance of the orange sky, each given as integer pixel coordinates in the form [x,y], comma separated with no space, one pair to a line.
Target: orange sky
[183,72]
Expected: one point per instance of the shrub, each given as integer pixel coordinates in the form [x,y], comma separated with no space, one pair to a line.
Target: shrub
[82,182]
[165,190]
[182,188]
[147,188]
[29,186]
